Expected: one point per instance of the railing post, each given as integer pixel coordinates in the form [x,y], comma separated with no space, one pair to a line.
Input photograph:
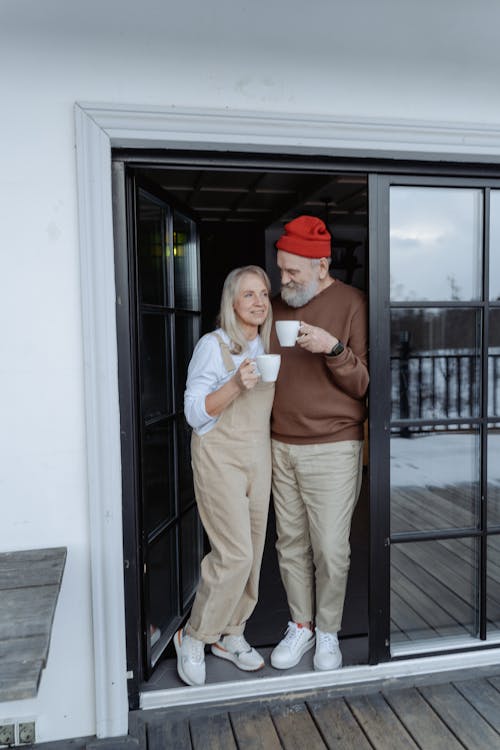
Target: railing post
[404,379]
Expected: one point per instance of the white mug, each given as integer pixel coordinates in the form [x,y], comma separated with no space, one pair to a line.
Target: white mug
[268,365]
[287,331]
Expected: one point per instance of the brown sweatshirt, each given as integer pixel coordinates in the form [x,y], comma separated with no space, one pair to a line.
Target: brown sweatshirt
[321,399]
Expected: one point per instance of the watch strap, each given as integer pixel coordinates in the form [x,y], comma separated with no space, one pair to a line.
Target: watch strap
[337,349]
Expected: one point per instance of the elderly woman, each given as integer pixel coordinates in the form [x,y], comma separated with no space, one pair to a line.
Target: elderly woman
[229,408]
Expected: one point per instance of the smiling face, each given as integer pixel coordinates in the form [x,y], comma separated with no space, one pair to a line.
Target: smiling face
[251,304]
[301,280]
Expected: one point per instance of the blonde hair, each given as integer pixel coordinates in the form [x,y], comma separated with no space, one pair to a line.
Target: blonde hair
[227,319]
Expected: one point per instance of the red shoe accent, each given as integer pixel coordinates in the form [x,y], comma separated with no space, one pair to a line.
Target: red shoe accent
[221,648]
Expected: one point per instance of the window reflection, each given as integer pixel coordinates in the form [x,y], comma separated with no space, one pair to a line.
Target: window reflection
[495,245]
[494,364]
[435,243]
[433,590]
[187,333]
[158,475]
[150,249]
[494,475]
[185,263]
[155,353]
[435,480]
[493,584]
[162,583]
[434,363]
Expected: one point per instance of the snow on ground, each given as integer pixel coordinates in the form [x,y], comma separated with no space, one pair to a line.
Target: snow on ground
[441,459]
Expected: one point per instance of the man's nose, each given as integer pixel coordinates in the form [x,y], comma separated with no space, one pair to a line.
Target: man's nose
[285,278]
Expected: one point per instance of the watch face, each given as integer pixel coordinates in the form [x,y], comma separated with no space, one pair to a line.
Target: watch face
[337,349]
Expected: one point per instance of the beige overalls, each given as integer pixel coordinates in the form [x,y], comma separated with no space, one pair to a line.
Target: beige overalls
[232,480]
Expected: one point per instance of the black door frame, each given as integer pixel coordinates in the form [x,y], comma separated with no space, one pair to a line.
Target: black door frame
[380,411]
[376,169]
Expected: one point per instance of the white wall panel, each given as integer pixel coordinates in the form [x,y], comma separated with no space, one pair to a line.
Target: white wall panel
[389,59]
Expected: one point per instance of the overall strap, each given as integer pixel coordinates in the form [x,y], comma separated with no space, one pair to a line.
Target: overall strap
[226,354]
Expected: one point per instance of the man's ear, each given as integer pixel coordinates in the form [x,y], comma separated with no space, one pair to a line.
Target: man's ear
[324,267]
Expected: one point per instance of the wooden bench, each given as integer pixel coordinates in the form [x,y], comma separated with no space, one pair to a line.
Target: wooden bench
[29,586]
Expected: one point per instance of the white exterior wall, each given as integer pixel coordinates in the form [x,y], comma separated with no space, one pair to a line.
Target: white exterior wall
[386,59]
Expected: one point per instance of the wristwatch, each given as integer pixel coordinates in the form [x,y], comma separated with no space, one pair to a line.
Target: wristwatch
[337,349]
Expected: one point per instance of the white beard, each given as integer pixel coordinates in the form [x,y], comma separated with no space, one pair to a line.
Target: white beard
[297,295]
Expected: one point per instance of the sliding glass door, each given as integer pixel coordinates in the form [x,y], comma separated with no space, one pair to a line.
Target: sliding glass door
[438,330]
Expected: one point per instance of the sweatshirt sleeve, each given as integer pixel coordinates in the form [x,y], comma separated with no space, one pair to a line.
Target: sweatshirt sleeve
[204,375]
[349,369]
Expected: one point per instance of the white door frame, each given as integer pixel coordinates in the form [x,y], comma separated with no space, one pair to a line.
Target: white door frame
[99,128]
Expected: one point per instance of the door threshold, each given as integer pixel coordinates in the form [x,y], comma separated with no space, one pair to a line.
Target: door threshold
[269,682]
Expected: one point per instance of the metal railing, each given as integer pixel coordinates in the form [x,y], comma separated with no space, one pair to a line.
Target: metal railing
[441,385]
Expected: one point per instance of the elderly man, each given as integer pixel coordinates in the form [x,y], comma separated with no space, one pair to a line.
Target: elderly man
[317,432]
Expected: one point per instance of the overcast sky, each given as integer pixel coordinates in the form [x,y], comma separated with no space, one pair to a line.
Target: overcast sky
[436,243]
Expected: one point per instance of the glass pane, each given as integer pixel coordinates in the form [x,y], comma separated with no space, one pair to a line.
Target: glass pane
[186,487]
[435,243]
[155,354]
[191,553]
[162,583]
[494,364]
[150,249]
[434,363]
[495,245]
[432,590]
[187,333]
[494,475]
[493,584]
[158,483]
[187,293]
[435,480]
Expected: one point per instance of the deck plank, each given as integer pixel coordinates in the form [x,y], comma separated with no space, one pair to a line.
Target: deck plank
[29,588]
[468,725]
[212,733]
[380,723]
[337,725]
[296,728]
[40,567]
[484,697]
[19,680]
[169,733]
[420,720]
[254,730]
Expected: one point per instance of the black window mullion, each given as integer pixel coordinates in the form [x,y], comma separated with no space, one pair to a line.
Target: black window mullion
[380,409]
[483,580]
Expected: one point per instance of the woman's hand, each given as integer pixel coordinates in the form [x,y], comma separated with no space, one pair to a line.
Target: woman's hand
[247,375]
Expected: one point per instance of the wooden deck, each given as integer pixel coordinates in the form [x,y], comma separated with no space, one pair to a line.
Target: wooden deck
[433,584]
[461,714]
[29,587]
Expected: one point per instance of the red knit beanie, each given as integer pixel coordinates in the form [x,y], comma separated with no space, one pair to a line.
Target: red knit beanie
[307,236]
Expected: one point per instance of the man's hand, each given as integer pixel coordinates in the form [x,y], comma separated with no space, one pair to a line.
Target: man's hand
[315,340]
[247,375]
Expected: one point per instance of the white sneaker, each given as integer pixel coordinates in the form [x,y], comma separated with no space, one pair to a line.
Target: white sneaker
[190,658]
[236,649]
[327,654]
[294,645]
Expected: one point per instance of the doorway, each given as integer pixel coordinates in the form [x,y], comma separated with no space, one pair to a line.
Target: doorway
[232,215]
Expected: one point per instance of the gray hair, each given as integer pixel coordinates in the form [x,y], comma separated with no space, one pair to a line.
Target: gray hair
[317,261]
[227,318]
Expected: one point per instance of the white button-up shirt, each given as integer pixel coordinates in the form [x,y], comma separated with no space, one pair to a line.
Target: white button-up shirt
[207,373]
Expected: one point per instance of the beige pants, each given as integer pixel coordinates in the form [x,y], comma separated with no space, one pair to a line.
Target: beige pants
[232,482]
[315,490]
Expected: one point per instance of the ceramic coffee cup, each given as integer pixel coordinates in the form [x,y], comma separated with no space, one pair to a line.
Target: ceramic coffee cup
[287,331]
[268,365]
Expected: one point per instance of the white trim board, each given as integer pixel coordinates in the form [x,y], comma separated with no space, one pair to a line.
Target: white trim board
[101,127]
[342,679]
